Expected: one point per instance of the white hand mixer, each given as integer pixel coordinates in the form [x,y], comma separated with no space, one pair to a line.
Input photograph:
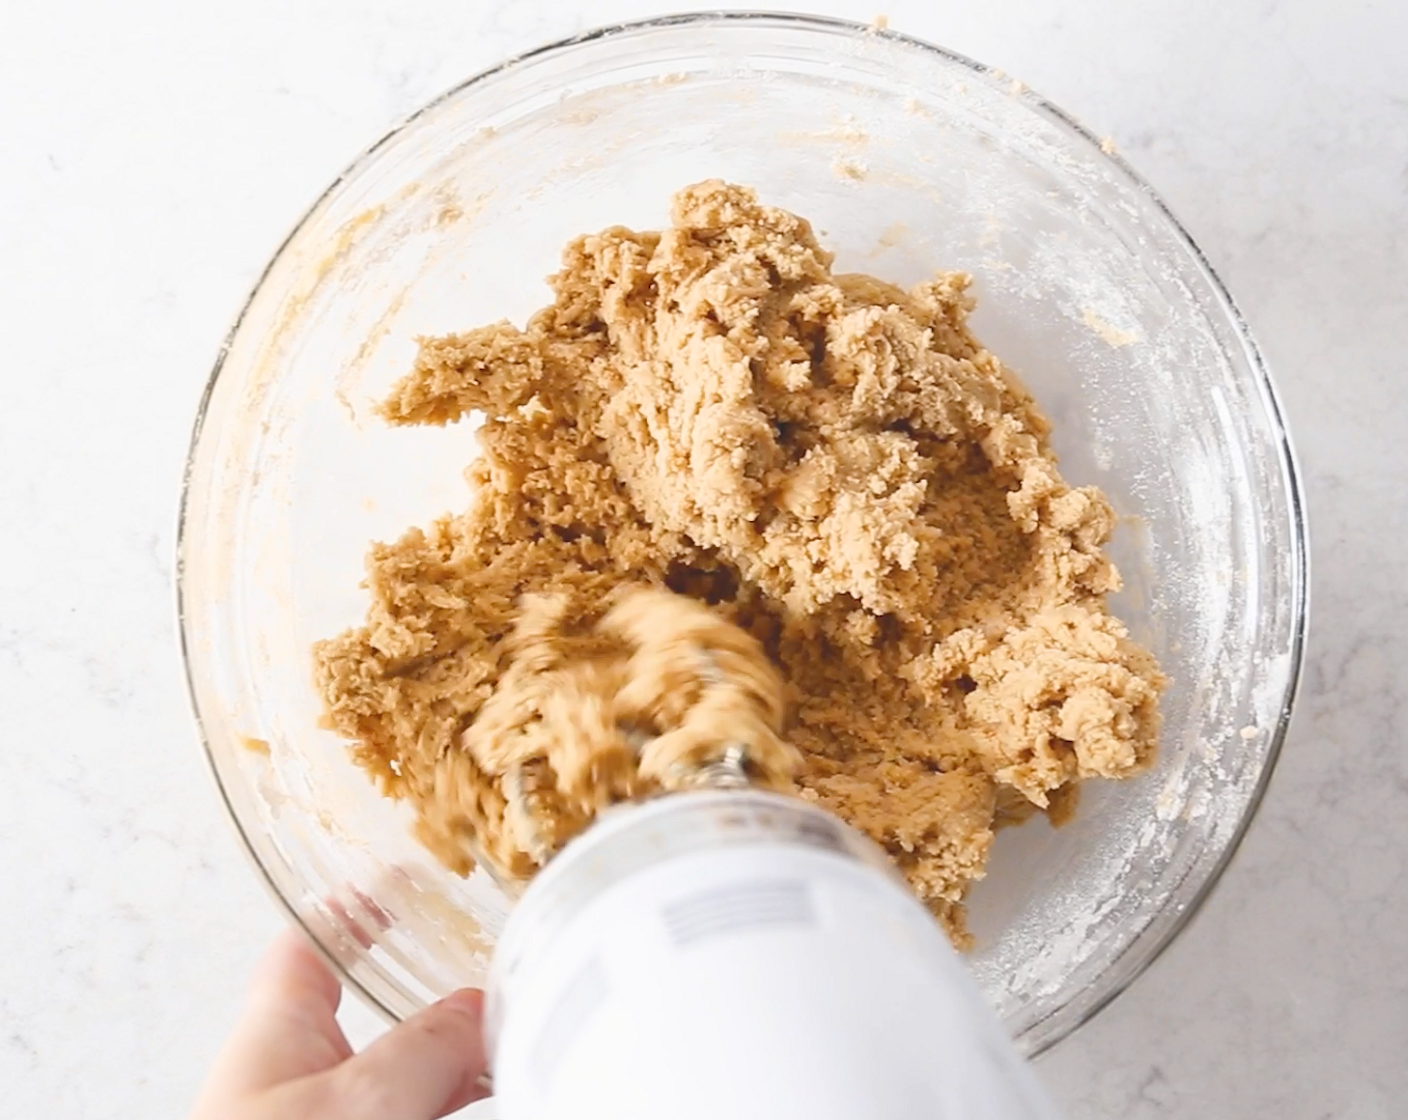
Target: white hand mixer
[726,953]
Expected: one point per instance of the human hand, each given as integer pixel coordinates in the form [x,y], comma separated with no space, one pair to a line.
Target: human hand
[288,1059]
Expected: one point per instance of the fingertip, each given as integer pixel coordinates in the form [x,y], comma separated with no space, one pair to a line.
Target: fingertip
[467,1004]
[429,1065]
[291,969]
[469,1001]
[289,944]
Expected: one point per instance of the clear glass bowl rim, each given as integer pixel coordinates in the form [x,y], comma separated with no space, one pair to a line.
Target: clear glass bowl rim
[1287,461]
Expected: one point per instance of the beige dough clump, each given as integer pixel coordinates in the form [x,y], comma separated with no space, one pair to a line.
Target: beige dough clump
[726,496]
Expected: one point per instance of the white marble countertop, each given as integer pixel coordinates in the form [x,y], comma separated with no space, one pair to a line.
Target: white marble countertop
[154,155]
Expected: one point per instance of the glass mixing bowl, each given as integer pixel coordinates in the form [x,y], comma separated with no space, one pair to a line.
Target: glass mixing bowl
[907,159]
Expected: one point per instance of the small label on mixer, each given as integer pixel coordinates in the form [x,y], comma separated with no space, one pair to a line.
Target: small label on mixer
[770,902]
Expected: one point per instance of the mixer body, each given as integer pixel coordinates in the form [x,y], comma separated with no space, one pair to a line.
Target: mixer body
[737,954]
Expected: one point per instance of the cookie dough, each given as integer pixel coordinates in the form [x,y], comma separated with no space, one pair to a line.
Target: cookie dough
[725,495]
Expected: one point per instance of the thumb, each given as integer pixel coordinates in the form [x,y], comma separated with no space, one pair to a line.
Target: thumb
[289,1026]
[426,1067]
